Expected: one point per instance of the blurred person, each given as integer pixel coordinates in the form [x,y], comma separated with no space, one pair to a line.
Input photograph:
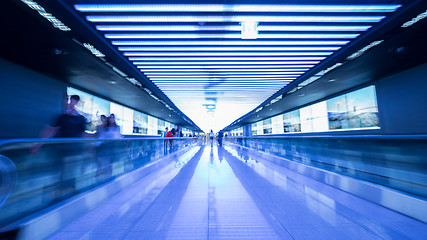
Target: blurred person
[111,130]
[102,148]
[170,134]
[68,125]
[102,127]
[211,137]
[220,136]
[166,131]
[165,142]
[107,149]
[178,133]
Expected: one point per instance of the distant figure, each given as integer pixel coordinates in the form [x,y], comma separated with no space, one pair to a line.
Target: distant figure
[220,136]
[68,125]
[211,137]
[169,142]
[178,133]
[171,133]
[166,131]
[165,143]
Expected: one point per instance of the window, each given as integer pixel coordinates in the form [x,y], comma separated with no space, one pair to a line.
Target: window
[291,122]
[129,120]
[354,110]
[266,126]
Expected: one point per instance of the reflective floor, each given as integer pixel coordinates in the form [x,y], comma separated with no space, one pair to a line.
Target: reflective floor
[221,193]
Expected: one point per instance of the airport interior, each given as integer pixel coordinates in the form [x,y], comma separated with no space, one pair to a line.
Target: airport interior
[232,119]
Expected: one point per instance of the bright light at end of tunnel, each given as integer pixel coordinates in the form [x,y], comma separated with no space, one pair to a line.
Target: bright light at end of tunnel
[221,113]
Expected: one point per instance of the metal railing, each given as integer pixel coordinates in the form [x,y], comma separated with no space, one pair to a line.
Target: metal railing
[395,161]
[37,173]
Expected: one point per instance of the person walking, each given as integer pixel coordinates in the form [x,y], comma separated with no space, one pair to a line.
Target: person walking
[211,137]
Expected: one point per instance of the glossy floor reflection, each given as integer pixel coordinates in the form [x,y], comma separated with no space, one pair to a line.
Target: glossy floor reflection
[222,193]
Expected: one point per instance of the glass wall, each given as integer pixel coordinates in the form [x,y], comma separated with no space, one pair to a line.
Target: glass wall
[131,122]
[236,132]
[351,111]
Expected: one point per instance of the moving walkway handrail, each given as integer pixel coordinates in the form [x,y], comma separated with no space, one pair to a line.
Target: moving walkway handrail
[76,140]
[43,172]
[398,162]
[424,137]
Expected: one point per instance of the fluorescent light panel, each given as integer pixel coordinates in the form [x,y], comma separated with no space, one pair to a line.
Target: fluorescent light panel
[242,64]
[229,43]
[292,74]
[196,86]
[233,8]
[228,78]
[197,48]
[249,81]
[216,73]
[197,71]
[225,36]
[235,18]
[223,89]
[274,89]
[228,59]
[228,28]
[223,82]
[203,54]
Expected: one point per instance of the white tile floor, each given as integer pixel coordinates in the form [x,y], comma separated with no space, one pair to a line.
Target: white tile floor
[225,194]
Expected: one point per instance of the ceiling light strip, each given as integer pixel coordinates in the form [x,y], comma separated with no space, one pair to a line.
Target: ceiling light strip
[229,28]
[223,90]
[203,54]
[228,43]
[198,48]
[227,36]
[251,82]
[196,86]
[184,89]
[228,78]
[244,80]
[233,8]
[219,18]
[219,71]
[242,64]
[201,59]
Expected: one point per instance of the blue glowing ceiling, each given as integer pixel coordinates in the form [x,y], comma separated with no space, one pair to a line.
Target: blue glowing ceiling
[217,62]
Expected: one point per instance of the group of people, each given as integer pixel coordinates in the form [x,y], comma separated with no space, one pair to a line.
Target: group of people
[174,132]
[108,128]
[71,124]
[212,136]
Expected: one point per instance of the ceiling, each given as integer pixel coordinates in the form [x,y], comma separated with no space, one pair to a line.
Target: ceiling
[220,64]
[30,40]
